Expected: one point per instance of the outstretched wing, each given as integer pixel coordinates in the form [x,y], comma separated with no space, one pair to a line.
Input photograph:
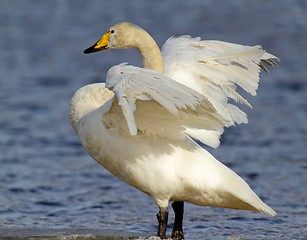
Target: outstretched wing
[214,68]
[154,104]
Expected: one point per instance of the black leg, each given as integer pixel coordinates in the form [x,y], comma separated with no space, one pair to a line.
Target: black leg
[162,217]
[177,233]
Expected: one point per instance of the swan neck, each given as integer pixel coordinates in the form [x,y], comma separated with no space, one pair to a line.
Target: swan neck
[150,52]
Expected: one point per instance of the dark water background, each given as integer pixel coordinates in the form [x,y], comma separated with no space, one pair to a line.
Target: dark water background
[50,186]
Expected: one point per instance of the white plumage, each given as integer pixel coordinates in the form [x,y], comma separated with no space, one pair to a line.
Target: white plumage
[141,124]
[168,102]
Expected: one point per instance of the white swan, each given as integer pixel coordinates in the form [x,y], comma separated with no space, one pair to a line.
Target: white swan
[142,123]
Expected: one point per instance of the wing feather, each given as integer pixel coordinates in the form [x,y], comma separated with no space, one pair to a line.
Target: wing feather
[154,104]
[214,69]
[219,64]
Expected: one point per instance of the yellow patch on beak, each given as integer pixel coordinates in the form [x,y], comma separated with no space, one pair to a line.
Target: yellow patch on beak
[102,44]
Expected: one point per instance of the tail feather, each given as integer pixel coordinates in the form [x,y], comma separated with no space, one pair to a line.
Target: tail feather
[221,187]
[268,210]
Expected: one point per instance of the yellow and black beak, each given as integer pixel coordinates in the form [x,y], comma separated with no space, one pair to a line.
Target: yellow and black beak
[101,44]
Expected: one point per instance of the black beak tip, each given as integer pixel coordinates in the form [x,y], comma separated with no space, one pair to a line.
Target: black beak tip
[94,49]
[90,50]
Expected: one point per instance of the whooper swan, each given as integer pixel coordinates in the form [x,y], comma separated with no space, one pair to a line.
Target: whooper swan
[142,123]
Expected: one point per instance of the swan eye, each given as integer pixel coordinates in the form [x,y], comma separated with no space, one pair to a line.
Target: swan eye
[112,31]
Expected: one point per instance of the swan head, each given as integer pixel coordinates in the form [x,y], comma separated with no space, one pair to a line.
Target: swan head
[121,35]
[128,35]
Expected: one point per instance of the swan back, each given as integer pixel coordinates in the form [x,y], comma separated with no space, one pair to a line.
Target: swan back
[86,100]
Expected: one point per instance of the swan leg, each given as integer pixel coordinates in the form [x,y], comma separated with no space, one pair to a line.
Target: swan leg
[162,217]
[177,233]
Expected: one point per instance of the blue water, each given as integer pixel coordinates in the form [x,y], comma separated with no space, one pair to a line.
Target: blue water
[47,181]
